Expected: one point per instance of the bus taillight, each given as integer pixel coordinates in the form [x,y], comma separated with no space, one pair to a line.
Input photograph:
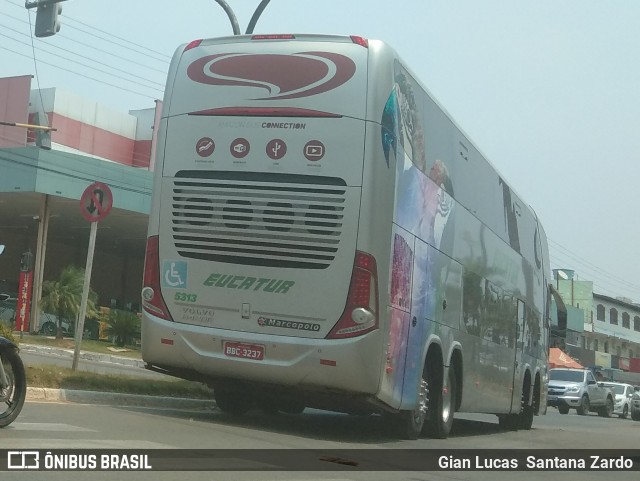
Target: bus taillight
[152,300]
[363,42]
[361,312]
[192,44]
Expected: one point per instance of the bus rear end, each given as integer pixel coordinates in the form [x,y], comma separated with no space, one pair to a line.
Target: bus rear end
[253,277]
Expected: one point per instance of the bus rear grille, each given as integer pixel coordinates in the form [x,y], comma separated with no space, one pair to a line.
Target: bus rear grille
[261,219]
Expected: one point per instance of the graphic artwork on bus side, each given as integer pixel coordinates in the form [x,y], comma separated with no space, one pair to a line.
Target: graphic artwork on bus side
[389,127]
[400,317]
[283,76]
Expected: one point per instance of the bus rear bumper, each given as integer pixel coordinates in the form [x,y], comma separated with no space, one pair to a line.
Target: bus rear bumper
[352,365]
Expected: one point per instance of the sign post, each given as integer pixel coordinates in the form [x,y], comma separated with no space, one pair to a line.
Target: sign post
[95,204]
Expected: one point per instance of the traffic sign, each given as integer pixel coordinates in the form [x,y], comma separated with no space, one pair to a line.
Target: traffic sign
[96,202]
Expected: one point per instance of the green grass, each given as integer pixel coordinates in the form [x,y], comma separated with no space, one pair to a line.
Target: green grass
[89,345]
[63,378]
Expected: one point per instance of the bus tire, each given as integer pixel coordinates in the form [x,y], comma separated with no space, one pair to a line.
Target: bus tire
[441,402]
[526,413]
[526,417]
[232,402]
[509,422]
[411,423]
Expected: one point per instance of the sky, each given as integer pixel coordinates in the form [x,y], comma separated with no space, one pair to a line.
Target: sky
[548,90]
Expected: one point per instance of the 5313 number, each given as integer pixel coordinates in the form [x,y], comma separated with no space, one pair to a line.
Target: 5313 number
[184,297]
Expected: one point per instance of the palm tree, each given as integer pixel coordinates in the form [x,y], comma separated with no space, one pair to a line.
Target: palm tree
[63,297]
[124,326]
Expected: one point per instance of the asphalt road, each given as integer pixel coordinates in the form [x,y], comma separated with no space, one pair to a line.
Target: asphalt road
[91,426]
[85,426]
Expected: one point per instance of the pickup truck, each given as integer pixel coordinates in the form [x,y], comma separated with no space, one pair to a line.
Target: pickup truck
[578,389]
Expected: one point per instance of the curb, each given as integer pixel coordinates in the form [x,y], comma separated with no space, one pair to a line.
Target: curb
[89,356]
[42,394]
[115,399]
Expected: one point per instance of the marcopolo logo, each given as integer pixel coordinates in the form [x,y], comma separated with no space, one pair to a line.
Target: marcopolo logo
[302,326]
[275,286]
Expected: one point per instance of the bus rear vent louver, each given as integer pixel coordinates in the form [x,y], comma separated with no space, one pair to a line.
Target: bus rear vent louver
[261,219]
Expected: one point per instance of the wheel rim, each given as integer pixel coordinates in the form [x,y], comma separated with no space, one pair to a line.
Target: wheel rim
[420,411]
[447,397]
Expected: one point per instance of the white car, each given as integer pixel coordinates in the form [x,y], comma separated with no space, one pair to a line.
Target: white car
[623,393]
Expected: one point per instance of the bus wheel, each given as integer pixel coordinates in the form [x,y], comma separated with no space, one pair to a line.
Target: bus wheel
[410,423]
[526,414]
[526,417]
[232,402]
[441,405]
[509,422]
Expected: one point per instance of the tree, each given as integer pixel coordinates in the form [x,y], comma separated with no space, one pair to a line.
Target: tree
[124,327]
[63,297]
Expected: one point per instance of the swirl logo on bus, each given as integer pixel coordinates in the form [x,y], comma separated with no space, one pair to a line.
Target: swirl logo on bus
[282,76]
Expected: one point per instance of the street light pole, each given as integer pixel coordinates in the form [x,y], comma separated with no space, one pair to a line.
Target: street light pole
[234,20]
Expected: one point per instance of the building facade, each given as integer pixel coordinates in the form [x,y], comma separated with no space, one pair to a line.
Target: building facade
[610,338]
[44,174]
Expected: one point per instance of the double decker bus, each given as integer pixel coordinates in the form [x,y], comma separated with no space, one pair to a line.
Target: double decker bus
[324,235]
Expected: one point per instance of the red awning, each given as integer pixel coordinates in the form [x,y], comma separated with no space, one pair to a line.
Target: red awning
[559,358]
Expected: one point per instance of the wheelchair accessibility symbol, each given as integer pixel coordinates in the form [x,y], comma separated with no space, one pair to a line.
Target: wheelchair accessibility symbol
[174,274]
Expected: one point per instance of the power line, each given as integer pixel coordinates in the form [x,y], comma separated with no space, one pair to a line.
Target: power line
[94,68]
[612,286]
[165,58]
[592,266]
[92,47]
[35,68]
[82,75]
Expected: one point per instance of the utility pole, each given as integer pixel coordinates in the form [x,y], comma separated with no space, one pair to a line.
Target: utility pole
[43,133]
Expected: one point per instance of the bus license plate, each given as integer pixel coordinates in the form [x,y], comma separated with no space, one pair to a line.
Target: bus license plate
[246,351]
